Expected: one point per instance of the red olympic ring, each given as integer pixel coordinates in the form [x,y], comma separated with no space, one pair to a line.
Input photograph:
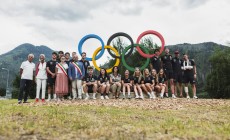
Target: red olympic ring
[146,33]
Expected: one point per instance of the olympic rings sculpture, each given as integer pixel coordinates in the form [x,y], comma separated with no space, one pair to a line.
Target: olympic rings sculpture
[100,51]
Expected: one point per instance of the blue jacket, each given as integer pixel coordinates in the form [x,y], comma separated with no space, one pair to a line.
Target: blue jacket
[72,72]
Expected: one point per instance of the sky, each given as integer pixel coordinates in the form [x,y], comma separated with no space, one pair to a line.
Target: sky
[60,24]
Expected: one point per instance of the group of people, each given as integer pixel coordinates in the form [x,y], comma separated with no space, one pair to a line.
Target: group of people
[67,77]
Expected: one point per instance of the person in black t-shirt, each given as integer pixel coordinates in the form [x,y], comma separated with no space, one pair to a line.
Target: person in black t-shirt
[103,83]
[177,72]
[156,61]
[137,79]
[161,79]
[50,67]
[127,82]
[168,70]
[90,83]
[148,84]
[189,69]
[85,62]
[67,60]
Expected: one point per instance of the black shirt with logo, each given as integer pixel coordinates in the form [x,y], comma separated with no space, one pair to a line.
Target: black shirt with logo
[89,78]
[148,79]
[127,80]
[167,62]
[86,64]
[176,64]
[156,63]
[162,79]
[51,65]
[103,79]
[136,80]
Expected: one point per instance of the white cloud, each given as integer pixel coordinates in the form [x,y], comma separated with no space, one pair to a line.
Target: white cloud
[61,24]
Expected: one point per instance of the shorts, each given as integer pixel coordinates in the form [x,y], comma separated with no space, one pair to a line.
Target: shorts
[189,79]
[168,73]
[177,78]
[90,89]
[51,81]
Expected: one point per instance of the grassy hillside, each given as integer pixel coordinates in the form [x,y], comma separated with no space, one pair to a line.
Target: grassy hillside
[116,119]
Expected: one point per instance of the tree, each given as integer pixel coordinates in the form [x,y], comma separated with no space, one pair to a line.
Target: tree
[218,83]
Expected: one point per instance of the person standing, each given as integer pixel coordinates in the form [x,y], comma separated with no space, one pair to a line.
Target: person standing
[50,68]
[189,68]
[167,66]
[73,53]
[61,86]
[76,73]
[60,54]
[84,61]
[67,60]
[90,83]
[27,70]
[156,61]
[177,72]
[115,81]
[41,77]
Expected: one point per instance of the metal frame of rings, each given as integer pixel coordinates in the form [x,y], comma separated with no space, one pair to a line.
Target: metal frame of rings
[100,51]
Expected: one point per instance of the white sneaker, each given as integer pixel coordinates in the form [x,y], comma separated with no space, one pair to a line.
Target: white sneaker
[87,98]
[79,97]
[137,97]
[94,96]
[173,96]
[141,97]
[106,97]
[153,96]
[102,98]
[162,95]
[48,100]
[129,96]
[195,97]
[69,97]
[188,97]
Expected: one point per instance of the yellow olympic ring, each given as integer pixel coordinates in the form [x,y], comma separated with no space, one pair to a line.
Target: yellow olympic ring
[106,47]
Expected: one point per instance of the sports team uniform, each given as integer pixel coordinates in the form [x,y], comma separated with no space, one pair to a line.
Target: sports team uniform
[127,80]
[188,73]
[177,71]
[156,63]
[103,79]
[149,79]
[51,65]
[88,79]
[162,79]
[136,80]
[167,66]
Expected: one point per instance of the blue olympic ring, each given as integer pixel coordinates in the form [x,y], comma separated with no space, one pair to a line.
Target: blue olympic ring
[88,37]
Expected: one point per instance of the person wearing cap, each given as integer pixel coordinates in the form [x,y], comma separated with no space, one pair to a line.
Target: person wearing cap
[156,61]
[168,70]
[84,61]
[76,72]
[50,68]
[90,83]
[177,72]
[189,68]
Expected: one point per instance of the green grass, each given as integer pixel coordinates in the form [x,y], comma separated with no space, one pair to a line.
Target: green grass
[160,119]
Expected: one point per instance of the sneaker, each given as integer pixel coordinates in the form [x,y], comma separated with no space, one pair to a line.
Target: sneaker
[173,96]
[102,98]
[166,95]
[141,97]
[36,100]
[43,100]
[79,97]
[20,101]
[106,97]
[162,95]
[94,98]
[188,97]
[195,97]
[153,96]
[137,97]
[48,100]
[129,97]
[87,98]
[69,97]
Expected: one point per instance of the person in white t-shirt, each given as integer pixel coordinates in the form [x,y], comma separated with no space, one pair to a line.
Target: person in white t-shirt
[41,77]
[27,74]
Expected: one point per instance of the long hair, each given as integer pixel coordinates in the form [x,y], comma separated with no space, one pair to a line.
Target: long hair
[155,76]
[105,72]
[140,75]
[144,72]
[161,75]
[114,68]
